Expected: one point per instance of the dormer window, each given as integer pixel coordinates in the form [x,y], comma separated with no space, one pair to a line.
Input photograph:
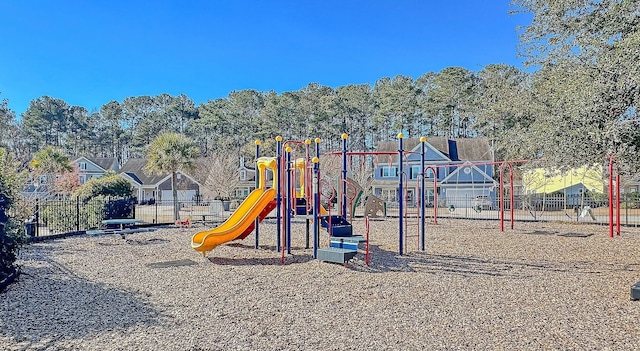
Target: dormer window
[387,172]
[243,174]
[82,166]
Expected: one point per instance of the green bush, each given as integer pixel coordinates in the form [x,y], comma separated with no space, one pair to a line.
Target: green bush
[108,185]
[60,215]
[89,205]
[11,230]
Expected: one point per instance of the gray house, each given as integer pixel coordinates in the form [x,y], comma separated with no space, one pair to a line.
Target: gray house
[247,183]
[461,167]
[158,187]
[94,167]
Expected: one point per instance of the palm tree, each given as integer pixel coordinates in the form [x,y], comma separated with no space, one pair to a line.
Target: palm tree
[172,152]
[50,162]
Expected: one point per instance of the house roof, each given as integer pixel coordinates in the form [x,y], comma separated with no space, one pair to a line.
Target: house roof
[474,149]
[134,168]
[468,149]
[545,181]
[105,163]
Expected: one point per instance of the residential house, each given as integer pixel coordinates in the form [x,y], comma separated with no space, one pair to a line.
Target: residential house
[463,169]
[561,189]
[575,181]
[94,167]
[247,180]
[158,187]
[87,168]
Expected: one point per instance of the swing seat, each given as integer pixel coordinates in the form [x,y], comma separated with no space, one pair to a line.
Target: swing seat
[184,223]
[482,202]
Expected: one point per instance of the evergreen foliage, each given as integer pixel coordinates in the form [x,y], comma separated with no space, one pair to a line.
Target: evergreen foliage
[170,153]
[110,184]
[576,105]
[11,232]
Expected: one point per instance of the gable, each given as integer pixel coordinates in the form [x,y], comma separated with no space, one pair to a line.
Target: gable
[96,165]
[85,165]
[431,154]
[469,174]
[438,149]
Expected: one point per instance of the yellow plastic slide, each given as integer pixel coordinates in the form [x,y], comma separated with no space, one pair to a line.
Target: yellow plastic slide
[241,221]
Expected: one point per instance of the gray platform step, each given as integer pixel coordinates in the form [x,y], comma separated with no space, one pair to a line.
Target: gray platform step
[635,292]
[349,239]
[347,242]
[336,255]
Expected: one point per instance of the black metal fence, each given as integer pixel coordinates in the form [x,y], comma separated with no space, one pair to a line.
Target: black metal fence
[527,208]
[197,211]
[58,216]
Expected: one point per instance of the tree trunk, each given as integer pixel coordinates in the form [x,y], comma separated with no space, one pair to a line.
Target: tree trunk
[174,189]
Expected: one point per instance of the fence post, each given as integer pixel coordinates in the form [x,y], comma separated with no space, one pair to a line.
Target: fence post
[77,213]
[37,215]
[155,220]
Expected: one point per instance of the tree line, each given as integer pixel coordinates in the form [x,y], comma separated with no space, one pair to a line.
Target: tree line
[445,103]
[575,106]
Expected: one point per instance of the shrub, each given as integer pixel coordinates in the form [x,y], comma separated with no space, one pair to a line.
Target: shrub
[110,184]
[91,203]
[61,215]
[11,232]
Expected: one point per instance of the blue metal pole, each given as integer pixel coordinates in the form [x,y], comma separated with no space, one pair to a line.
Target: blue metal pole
[422,193]
[316,199]
[257,176]
[400,193]
[344,175]
[278,176]
[289,198]
[305,187]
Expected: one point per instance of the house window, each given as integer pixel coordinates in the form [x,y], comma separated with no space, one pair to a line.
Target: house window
[387,172]
[389,195]
[83,179]
[82,166]
[242,193]
[243,175]
[414,172]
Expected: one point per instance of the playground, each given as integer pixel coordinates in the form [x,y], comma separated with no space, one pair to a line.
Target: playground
[295,266]
[538,286]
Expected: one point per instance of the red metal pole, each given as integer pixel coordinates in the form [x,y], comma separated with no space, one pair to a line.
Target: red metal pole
[501,200]
[618,203]
[511,199]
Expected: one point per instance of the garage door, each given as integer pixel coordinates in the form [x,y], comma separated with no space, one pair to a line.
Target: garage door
[461,198]
[183,195]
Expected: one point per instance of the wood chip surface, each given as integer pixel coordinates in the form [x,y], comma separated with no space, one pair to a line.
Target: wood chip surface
[540,286]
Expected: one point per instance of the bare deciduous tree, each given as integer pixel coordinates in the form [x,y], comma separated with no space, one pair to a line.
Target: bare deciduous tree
[220,173]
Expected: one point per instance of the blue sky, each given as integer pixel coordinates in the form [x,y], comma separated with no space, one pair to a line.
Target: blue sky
[91,52]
